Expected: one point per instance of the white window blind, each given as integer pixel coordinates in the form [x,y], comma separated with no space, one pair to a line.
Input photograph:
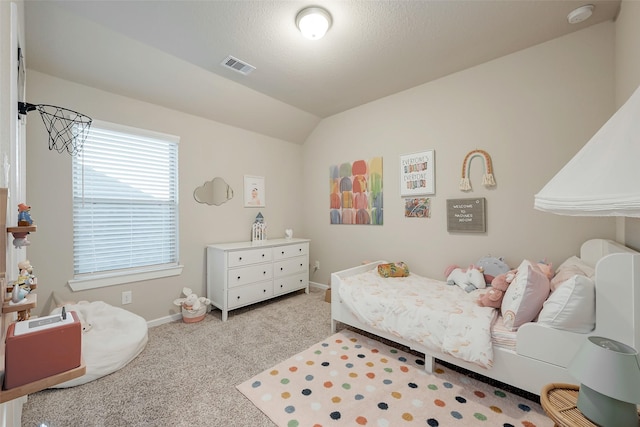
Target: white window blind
[125,200]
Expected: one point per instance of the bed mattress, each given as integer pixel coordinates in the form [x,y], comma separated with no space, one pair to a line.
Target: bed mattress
[438,316]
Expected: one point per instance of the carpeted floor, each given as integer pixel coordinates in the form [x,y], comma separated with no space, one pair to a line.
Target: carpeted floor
[352,380]
[188,373]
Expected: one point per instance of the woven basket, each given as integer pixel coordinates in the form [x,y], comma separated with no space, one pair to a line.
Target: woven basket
[193,316]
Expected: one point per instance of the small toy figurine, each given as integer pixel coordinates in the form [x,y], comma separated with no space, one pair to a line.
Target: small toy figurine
[18,294]
[24,217]
[20,240]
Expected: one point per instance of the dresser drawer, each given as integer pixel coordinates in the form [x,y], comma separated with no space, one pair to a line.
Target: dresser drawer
[246,275]
[247,257]
[249,294]
[289,251]
[290,283]
[290,266]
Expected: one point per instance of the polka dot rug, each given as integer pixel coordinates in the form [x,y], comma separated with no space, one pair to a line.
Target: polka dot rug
[352,380]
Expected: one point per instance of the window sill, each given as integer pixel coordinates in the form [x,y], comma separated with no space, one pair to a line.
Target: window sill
[102,281]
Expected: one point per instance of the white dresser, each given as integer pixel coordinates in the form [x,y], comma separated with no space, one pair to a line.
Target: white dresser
[244,273]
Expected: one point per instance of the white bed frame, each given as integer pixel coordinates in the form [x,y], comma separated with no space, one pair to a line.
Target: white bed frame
[542,353]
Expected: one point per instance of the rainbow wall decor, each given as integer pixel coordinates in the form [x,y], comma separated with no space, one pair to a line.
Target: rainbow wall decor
[356,192]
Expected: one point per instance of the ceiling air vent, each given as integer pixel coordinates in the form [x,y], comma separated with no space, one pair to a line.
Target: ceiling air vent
[236,65]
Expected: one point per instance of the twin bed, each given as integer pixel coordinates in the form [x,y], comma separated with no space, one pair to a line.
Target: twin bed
[472,337]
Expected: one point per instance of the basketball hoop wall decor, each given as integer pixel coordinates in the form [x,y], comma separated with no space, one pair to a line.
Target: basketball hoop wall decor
[487,178]
[67,129]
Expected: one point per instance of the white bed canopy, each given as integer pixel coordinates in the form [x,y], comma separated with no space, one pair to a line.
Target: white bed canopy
[603,178]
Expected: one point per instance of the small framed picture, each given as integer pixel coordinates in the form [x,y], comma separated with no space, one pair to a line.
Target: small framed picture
[417,174]
[254,194]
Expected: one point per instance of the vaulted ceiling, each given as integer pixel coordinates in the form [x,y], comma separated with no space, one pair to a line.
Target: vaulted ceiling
[170,52]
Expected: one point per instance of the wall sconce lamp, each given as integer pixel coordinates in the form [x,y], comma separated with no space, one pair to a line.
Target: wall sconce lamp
[609,375]
[313,22]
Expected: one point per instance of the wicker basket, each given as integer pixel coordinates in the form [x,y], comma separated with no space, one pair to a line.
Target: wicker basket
[193,316]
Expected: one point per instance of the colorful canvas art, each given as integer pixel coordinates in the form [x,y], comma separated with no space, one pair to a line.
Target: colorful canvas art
[417,208]
[356,192]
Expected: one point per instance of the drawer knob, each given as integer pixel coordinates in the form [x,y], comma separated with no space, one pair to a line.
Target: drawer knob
[238,297]
[281,268]
[239,258]
[264,272]
[300,250]
[262,255]
[282,252]
[238,277]
[264,290]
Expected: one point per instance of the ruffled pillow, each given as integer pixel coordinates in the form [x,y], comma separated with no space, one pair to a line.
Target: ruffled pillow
[572,266]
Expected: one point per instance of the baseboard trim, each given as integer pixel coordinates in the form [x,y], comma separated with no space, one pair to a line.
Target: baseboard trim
[163,320]
[318,285]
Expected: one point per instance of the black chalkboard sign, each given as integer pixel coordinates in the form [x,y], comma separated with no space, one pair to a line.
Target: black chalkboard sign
[466,215]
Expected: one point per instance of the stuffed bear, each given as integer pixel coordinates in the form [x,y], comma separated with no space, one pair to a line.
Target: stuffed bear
[468,279]
[493,297]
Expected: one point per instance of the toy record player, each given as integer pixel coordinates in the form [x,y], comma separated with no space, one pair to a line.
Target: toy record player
[42,347]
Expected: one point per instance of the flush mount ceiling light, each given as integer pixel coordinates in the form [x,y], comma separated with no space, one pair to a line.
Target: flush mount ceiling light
[313,22]
[580,14]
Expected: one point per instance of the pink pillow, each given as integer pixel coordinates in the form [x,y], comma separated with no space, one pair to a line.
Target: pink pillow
[572,266]
[525,296]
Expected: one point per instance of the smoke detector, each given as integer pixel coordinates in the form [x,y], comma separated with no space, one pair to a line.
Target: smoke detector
[580,14]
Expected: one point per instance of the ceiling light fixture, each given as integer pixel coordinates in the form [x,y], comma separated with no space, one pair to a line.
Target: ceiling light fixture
[313,22]
[580,14]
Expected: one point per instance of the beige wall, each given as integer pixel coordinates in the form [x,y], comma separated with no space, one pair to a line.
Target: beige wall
[207,149]
[627,80]
[532,111]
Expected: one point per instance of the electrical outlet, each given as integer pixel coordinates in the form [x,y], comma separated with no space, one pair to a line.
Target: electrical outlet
[127,298]
[316,266]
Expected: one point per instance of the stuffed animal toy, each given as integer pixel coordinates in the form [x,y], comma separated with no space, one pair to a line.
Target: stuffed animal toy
[492,267]
[194,308]
[494,295]
[546,268]
[468,279]
[191,300]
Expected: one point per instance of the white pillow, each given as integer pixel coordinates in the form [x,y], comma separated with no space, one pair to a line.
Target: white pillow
[572,306]
[524,297]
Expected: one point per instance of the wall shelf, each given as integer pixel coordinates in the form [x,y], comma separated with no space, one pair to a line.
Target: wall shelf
[31,302]
[8,316]
[22,229]
[23,390]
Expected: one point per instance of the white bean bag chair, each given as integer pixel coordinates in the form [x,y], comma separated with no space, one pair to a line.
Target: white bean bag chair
[111,338]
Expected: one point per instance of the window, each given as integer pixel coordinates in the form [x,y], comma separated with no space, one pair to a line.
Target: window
[125,206]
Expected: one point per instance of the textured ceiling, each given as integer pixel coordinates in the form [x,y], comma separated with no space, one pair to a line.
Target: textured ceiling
[169,52]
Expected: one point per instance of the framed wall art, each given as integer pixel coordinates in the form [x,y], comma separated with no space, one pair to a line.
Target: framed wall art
[254,192]
[466,215]
[417,174]
[418,207]
[356,192]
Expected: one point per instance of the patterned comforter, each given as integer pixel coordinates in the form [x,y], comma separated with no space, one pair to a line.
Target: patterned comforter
[441,317]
